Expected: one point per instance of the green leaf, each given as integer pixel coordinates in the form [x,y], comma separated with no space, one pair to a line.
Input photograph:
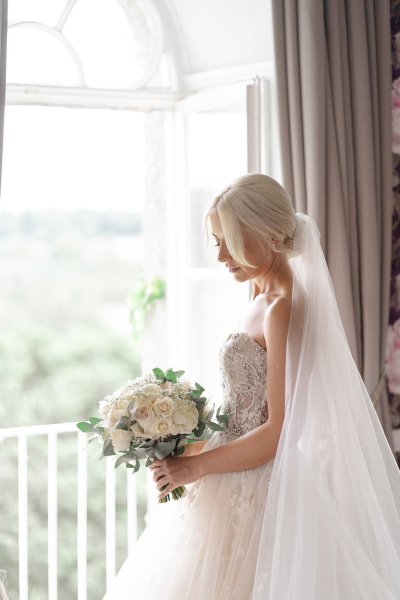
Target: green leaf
[179,373]
[123,423]
[222,418]
[163,449]
[179,450]
[199,429]
[199,387]
[195,393]
[213,426]
[148,461]
[108,449]
[95,420]
[126,458]
[85,427]
[170,376]
[158,373]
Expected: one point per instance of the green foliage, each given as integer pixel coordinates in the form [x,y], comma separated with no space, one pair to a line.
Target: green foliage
[65,345]
[142,300]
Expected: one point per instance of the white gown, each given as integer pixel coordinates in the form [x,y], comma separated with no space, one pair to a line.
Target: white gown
[205,545]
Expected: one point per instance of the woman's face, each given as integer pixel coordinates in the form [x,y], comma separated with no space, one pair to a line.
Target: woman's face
[253,252]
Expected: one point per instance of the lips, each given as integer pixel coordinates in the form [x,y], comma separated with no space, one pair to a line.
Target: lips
[233,269]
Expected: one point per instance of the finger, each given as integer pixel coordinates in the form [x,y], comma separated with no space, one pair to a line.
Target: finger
[167,490]
[157,475]
[161,482]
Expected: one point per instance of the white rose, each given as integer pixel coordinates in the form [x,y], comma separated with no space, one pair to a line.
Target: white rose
[185,416]
[145,417]
[163,427]
[120,439]
[163,406]
[114,415]
[151,389]
[124,400]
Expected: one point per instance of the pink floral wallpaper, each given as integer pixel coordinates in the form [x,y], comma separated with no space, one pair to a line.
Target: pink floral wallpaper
[393,339]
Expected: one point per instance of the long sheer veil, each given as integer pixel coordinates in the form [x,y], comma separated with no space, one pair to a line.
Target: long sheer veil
[331,528]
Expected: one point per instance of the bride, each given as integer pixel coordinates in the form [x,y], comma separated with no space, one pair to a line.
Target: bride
[300,498]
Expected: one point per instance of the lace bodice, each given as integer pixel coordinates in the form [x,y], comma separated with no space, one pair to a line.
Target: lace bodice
[244,383]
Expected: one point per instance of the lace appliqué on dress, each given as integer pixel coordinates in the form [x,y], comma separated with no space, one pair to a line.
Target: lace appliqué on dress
[244,383]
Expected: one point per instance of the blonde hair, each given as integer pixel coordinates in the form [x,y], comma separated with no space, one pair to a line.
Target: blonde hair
[261,205]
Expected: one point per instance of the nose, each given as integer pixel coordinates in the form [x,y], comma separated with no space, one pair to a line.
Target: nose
[223,253]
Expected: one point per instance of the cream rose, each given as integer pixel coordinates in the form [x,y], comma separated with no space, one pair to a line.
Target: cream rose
[151,389]
[120,439]
[163,427]
[163,407]
[185,416]
[114,415]
[145,417]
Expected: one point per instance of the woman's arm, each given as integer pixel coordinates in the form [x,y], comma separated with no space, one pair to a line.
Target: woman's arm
[194,448]
[255,447]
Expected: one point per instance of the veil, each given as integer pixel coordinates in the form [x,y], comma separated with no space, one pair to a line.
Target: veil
[331,527]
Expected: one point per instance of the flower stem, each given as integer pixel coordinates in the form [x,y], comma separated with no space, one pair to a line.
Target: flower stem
[176,494]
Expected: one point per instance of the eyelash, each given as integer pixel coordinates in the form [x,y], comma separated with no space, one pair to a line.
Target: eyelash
[216,245]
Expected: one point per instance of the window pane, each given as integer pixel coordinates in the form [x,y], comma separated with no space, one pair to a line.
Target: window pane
[217,155]
[118,43]
[71,251]
[37,56]
[44,11]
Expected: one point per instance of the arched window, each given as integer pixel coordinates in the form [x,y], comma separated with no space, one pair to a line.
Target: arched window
[89,44]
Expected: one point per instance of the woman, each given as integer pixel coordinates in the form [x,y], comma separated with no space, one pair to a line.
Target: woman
[299,500]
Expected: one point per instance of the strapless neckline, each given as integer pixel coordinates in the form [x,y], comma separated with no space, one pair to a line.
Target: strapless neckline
[244,333]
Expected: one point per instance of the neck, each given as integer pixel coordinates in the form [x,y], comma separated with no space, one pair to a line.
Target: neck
[275,279]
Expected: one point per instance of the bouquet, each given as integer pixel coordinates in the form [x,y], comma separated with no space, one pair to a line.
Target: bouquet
[153,416]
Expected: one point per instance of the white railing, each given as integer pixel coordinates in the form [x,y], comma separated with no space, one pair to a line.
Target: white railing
[52,432]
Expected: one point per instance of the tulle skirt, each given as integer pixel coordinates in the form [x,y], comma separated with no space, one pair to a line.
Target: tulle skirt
[203,546]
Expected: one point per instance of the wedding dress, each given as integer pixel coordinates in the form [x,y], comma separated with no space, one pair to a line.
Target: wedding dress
[321,520]
[205,545]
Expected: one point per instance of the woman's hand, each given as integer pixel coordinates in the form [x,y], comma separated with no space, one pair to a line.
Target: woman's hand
[175,471]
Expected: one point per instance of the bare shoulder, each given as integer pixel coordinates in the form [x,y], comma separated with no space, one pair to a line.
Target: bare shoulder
[276,320]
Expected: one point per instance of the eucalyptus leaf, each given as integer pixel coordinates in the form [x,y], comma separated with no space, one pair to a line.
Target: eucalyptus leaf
[170,376]
[199,387]
[198,432]
[108,449]
[159,373]
[180,450]
[179,373]
[222,418]
[85,427]
[163,449]
[213,426]
[94,420]
[123,423]
[124,458]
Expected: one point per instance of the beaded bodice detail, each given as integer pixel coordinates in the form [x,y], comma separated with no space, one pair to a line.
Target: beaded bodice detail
[244,383]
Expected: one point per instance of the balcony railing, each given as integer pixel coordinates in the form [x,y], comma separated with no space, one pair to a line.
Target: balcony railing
[21,434]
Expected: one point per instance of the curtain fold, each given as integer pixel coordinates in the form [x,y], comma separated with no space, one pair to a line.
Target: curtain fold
[333,80]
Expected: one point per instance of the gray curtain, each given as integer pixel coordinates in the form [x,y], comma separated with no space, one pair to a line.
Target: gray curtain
[333,70]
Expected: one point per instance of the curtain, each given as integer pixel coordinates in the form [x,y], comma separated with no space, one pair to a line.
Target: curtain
[3,54]
[333,81]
